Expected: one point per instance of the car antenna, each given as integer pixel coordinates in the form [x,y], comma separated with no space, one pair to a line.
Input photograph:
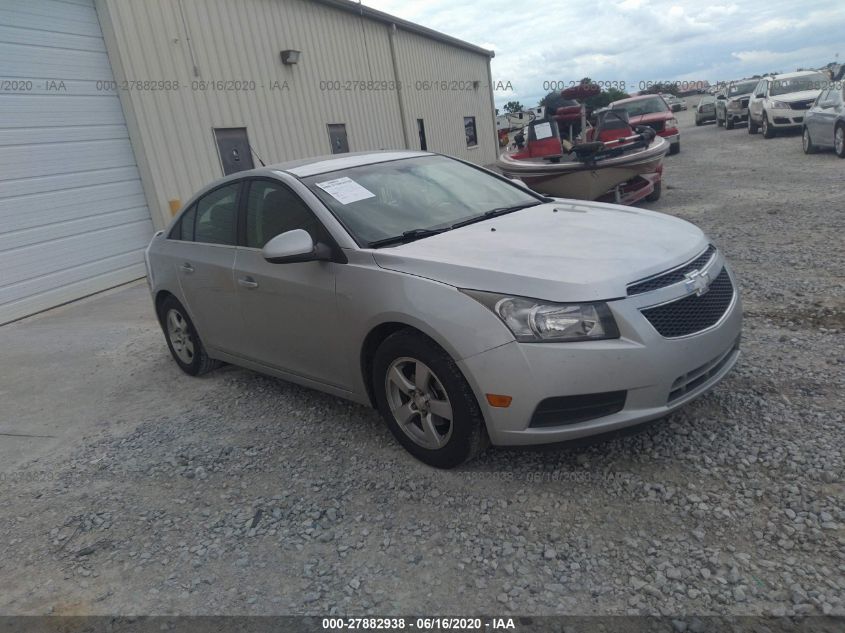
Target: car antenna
[252,149]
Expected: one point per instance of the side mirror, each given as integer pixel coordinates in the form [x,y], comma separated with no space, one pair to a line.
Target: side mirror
[294,246]
[721,97]
[759,95]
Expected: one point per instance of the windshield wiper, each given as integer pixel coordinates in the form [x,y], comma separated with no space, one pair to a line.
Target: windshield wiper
[494,213]
[407,236]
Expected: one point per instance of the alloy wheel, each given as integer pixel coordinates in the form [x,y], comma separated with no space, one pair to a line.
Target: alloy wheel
[839,140]
[419,403]
[180,336]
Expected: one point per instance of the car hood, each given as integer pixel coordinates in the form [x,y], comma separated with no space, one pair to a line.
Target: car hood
[790,97]
[563,251]
[654,117]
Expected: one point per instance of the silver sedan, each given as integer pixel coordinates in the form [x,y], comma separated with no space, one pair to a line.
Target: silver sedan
[463,306]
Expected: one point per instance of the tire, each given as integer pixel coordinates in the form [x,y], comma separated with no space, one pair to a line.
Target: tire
[182,339]
[674,148]
[729,124]
[654,196]
[807,142]
[766,127]
[719,122]
[402,359]
[839,140]
[752,127]
[697,121]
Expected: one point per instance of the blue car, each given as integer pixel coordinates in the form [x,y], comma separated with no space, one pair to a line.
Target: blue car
[824,124]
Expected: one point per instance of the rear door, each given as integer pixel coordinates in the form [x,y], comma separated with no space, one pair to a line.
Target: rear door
[289,310]
[205,260]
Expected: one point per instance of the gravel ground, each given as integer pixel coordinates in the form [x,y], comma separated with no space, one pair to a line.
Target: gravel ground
[239,494]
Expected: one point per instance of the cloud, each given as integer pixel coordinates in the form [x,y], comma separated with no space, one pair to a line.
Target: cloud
[633,41]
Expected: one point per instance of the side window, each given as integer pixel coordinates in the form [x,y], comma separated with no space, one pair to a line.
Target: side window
[273,209]
[824,95]
[216,216]
[184,229]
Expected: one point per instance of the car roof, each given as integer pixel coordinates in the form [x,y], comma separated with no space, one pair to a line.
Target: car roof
[636,98]
[800,73]
[322,164]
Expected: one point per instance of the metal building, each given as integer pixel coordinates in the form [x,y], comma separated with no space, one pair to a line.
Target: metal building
[112,112]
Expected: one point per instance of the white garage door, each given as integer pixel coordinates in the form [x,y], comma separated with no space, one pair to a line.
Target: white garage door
[73,217]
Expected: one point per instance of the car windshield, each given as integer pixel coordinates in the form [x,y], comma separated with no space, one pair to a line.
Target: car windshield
[816,81]
[644,106]
[707,99]
[743,88]
[386,200]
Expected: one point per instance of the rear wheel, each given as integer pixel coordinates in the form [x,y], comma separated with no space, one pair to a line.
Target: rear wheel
[426,401]
[182,339]
[674,148]
[839,140]
[766,127]
[807,142]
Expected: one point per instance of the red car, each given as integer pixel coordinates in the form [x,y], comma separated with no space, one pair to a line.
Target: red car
[653,111]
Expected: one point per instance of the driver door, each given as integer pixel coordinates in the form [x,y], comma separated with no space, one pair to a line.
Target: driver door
[289,310]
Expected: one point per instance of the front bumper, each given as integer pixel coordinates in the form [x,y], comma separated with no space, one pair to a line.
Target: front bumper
[785,117]
[641,363]
[673,137]
[737,115]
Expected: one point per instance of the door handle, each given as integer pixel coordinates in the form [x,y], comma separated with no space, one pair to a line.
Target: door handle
[186,268]
[248,282]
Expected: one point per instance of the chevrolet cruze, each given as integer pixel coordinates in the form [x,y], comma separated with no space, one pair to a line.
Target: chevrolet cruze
[463,306]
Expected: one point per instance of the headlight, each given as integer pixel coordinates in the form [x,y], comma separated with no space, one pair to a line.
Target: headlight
[734,105]
[673,122]
[778,104]
[536,321]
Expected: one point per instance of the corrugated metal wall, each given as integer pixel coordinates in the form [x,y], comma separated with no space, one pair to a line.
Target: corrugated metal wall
[440,89]
[287,111]
[73,214]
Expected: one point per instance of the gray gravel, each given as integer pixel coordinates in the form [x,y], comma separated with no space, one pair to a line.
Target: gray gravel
[238,493]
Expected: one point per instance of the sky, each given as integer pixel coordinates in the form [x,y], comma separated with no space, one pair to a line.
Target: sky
[633,41]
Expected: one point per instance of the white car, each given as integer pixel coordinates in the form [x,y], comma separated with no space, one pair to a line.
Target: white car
[781,101]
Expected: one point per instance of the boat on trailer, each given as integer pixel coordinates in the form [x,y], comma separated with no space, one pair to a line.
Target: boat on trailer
[613,162]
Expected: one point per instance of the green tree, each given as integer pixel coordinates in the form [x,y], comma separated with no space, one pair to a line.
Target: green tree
[513,106]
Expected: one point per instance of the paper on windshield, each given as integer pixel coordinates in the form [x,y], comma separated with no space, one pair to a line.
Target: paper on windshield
[543,130]
[345,190]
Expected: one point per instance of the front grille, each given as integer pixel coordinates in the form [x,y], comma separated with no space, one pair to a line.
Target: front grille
[657,126]
[699,376]
[744,102]
[673,276]
[564,410]
[802,105]
[693,313]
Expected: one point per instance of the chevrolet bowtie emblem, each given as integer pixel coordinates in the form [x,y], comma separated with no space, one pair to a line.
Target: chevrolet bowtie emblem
[697,282]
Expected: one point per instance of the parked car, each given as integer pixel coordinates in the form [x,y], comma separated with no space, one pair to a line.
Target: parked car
[781,101]
[653,111]
[673,102]
[824,125]
[705,110]
[460,304]
[732,103]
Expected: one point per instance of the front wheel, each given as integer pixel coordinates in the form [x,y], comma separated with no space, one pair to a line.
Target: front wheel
[766,127]
[807,142]
[674,148]
[426,401]
[839,140]
[729,124]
